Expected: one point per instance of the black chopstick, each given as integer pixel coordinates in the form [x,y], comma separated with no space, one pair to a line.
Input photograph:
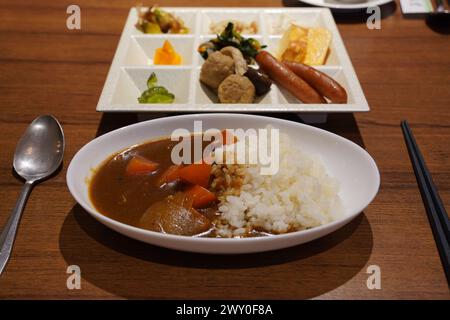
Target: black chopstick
[437,215]
[429,180]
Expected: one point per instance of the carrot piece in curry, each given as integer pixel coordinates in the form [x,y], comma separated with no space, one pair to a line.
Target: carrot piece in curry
[140,166]
[201,196]
[171,174]
[198,173]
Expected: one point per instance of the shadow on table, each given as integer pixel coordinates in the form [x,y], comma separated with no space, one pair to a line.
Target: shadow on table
[132,269]
[343,124]
[113,121]
[439,24]
[349,16]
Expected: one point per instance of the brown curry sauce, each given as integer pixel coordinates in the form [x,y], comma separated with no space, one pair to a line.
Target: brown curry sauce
[127,199]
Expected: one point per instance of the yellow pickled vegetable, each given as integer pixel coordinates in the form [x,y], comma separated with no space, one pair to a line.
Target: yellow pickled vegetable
[167,55]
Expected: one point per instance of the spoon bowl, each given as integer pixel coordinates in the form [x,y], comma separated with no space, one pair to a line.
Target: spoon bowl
[40,150]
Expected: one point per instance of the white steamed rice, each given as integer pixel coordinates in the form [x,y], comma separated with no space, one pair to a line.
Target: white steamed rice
[299,196]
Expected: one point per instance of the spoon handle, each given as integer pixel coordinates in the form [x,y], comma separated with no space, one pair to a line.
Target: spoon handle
[9,232]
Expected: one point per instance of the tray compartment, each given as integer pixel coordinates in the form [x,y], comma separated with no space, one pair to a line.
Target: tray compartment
[142,49]
[133,81]
[332,58]
[205,38]
[189,17]
[130,69]
[285,97]
[278,20]
[214,16]
[135,55]
[205,95]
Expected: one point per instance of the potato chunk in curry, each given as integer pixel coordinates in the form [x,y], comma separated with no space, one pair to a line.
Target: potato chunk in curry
[175,215]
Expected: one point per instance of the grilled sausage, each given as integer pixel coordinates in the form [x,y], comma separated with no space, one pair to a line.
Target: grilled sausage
[287,79]
[325,85]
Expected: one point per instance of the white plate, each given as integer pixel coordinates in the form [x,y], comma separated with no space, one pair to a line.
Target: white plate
[351,165]
[336,4]
[132,64]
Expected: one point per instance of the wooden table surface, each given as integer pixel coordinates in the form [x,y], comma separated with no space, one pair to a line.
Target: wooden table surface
[404,70]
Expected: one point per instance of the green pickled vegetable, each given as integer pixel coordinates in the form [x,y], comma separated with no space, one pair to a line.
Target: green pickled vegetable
[157,98]
[155,93]
[152,81]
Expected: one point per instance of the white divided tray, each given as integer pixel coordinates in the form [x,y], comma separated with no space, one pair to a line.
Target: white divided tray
[132,65]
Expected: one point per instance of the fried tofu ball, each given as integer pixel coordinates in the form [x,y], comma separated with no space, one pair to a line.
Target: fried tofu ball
[215,69]
[236,89]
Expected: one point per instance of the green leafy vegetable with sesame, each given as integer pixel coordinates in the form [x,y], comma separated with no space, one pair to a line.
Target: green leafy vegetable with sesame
[230,37]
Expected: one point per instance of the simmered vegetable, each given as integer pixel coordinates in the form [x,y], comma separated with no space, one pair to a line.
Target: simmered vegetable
[156,20]
[236,89]
[175,215]
[260,80]
[215,69]
[240,65]
[155,93]
[227,59]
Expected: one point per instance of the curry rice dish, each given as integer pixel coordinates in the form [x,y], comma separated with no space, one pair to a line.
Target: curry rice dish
[141,187]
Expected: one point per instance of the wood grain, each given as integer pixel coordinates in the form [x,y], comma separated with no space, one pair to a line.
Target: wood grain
[45,68]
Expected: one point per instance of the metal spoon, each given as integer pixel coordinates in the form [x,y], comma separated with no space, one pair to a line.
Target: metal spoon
[38,154]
